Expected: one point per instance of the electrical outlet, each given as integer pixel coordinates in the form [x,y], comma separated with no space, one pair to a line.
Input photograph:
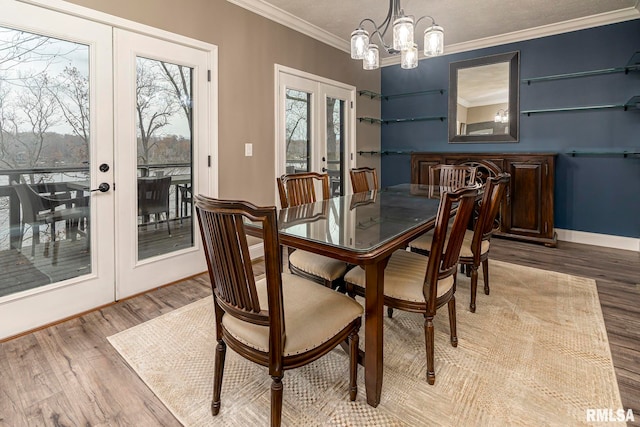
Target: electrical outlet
[248,149]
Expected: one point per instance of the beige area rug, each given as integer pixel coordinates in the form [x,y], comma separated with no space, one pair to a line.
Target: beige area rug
[535,353]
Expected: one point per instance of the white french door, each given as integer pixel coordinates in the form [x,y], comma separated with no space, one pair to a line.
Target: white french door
[315,126]
[162,124]
[105,137]
[55,84]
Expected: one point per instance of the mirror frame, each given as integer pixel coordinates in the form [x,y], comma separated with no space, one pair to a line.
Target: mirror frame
[513,58]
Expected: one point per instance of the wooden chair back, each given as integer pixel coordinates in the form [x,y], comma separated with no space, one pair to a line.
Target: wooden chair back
[299,188]
[453,176]
[364,179]
[494,190]
[230,269]
[445,249]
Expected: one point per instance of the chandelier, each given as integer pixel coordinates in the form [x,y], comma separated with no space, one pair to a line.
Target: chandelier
[403,39]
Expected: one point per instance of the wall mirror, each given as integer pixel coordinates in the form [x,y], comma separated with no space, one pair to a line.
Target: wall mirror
[484,99]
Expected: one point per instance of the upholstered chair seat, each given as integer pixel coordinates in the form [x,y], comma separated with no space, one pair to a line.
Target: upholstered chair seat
[321,266]
[424,243]
[403,277]
[301,299]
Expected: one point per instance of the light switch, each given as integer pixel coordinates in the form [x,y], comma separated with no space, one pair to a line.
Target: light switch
[248,149]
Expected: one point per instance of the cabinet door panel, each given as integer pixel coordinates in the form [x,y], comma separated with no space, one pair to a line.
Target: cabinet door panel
[525,195]
[422,171]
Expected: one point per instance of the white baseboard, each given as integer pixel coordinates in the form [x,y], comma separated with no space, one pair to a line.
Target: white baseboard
[606,240]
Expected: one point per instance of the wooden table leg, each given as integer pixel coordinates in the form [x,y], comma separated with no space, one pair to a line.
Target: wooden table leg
[374,304]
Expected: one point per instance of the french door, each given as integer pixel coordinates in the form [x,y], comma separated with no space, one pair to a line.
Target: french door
[84,220]
[55,86]
[315,129]
[162,129]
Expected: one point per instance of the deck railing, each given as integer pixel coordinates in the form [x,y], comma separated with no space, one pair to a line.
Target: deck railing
[66,179]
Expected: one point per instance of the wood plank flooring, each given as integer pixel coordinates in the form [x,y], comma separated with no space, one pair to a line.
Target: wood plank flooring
[69,375]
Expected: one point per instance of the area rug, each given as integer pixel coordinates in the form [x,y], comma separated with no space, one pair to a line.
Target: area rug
[535,353]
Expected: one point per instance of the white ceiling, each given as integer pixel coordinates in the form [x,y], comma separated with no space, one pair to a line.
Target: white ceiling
[468,24]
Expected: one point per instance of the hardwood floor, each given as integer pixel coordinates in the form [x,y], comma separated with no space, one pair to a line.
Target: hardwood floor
[69,375]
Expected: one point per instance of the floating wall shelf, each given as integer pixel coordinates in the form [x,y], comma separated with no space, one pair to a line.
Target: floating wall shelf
[374,95]
[369,120]
[411,119]
[632,65]
[629,152]
[379,96]
[632,104]
[386,152]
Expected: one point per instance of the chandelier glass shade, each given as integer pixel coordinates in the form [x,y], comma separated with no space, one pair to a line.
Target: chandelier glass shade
[409,58]
[403,33]
[434,41]
[371,59]
[403,30]
[359,43]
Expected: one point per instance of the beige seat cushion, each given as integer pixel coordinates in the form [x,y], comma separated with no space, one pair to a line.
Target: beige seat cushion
[318,265]
[312,316]
[424,243]
[403,277]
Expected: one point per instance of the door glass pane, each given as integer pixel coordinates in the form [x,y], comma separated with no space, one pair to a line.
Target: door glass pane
[298,131]
[335,150]
[44,160]
[164,146]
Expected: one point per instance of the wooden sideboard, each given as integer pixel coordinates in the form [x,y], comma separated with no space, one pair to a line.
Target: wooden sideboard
[526,212]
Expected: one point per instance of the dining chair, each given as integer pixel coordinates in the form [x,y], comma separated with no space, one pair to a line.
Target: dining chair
[475,246]
[297,189]
[281,321]
[420,284]
[38,209]
[452,176]
[364,179]
[153,198]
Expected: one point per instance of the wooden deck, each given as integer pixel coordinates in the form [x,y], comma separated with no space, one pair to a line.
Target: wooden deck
[22,272]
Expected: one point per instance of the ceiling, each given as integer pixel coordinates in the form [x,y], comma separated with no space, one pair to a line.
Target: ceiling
[468,24]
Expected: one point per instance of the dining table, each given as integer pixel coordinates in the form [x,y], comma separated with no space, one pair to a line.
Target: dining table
[364,229]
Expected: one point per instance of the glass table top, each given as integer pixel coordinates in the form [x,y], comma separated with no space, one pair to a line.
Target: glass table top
[363,221]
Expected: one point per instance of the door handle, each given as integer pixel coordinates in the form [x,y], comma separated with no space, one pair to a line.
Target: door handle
[324,169]
[103,188]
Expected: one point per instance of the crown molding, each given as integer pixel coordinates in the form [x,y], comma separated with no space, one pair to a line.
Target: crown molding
[549,30]
[280,16]
[288,20]
[592,21]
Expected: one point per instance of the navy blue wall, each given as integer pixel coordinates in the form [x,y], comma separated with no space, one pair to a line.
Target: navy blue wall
[594,194]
